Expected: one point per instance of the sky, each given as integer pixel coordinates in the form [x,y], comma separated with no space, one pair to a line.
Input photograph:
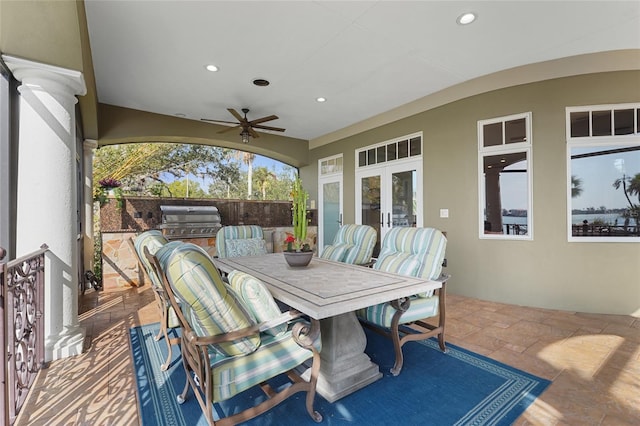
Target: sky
[598,175]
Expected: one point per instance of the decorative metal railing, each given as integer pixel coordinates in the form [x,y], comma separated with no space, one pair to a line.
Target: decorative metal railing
[22,334]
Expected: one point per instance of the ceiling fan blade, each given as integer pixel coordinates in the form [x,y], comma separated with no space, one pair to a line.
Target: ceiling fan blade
[276,129]
[236,115]
[228,129]
[263,119]
[219,121]
[254,134]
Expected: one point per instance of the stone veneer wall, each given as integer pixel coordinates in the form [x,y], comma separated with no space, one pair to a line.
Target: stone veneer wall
[120,267]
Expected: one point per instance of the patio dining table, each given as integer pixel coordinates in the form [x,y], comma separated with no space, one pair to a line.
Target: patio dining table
[331,292]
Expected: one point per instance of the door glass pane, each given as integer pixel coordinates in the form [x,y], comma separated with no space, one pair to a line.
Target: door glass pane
[371,156]
[381,154]
[404,198]
[362,158]
[330,211]
[371,206]
[415,148]
[391,151]
[403,149]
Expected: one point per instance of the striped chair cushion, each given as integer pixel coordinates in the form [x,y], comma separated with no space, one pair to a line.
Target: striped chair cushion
[239,232]
[153,240]
[427,244]
[276,355]
[209,306]
[383,313]
[246,247]
[398,263]
[360,238]
[336,252]
[257,299]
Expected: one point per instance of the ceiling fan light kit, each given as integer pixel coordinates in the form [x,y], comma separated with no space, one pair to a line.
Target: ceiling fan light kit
[247,127]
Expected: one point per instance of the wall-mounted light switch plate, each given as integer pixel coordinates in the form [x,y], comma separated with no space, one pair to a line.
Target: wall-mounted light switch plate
[444,213]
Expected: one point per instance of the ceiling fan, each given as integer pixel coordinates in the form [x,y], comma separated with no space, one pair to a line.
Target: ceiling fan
[246,125]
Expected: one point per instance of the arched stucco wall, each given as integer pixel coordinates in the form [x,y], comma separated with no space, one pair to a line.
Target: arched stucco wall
[548,271]
[122,125]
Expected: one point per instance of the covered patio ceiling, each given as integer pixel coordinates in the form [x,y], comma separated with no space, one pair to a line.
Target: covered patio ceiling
[365,58]
[373,61]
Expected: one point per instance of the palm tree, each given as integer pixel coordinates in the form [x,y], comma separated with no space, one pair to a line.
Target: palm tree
[264,178]
[247,158]
[634,186]
[576,186]
[623,182]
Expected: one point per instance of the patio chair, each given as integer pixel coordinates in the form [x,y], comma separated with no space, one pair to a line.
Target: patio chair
[225,350]
[153,240]
[417,252]
[352,244]
[240,240]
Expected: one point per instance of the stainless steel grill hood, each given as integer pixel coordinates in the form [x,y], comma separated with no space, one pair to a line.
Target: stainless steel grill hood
[179,222]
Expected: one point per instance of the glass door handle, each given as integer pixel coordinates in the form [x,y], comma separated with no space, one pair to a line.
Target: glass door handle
[389,220]
[340,219]
[381,219]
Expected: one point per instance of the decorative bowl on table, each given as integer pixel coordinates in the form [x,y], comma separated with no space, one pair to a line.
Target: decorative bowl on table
[298,258]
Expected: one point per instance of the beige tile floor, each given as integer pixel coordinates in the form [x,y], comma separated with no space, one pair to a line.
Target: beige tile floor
[593,360]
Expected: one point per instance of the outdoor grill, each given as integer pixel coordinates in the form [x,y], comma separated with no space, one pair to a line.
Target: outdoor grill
[179,222]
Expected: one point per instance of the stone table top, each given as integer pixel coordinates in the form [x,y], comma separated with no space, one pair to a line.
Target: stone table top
[325,288]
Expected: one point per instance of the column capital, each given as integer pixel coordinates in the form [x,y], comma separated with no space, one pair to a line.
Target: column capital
[47,76]
[90,144]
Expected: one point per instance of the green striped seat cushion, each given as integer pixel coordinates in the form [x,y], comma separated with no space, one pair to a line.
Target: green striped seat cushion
[257,299]
[357,241]
[209,306]
[276,355]
[239,232]
[426,244]
[383,313]
[336,252]
[398,263]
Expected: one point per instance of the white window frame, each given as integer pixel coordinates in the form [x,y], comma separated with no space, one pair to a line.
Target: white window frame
[602,141]
[505,148]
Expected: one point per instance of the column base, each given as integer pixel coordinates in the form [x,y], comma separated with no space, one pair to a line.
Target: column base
[66,344]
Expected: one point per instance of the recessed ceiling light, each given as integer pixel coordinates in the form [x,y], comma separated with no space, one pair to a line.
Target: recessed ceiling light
[466,18]
[212,68]
[261,82]
[321,99]
[179,114]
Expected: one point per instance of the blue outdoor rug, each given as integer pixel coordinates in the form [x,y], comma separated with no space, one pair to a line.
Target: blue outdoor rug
[456,388]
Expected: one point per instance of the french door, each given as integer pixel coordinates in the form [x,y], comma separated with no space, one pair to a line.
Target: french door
[329,200]
[388,196]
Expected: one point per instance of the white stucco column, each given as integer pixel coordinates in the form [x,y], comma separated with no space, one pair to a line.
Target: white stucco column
[89,148]
[47,193]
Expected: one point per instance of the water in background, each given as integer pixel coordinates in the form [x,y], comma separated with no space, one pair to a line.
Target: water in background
[576,219]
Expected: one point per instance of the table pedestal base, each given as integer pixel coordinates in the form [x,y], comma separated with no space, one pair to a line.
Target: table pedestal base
[344,366]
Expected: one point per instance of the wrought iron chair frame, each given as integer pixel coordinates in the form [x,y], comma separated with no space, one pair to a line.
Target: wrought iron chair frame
[195,358]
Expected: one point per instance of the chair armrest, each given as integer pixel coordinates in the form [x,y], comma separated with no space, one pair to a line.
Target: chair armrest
[285,317]
[443,278]
[368,264]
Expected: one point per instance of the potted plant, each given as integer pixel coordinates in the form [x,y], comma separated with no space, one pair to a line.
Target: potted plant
[105,187]
[298,252]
